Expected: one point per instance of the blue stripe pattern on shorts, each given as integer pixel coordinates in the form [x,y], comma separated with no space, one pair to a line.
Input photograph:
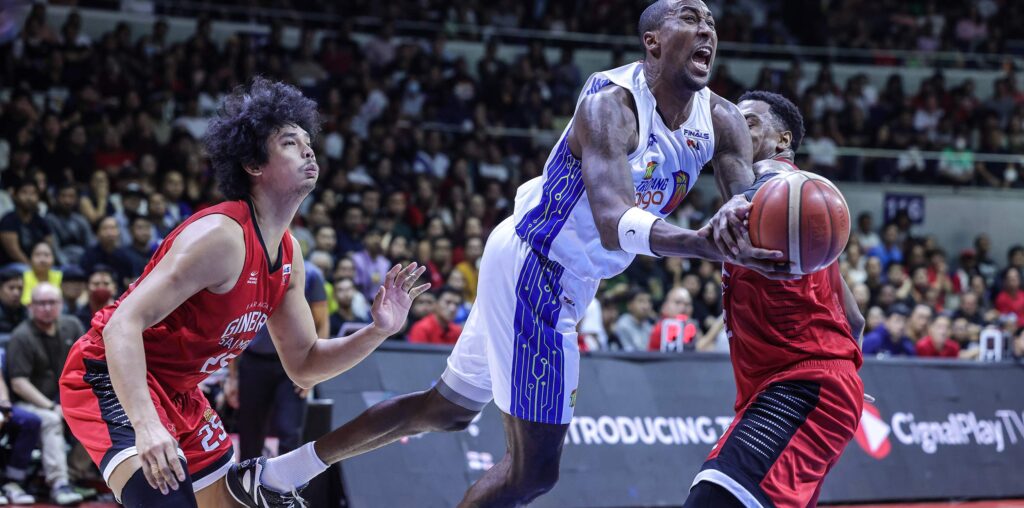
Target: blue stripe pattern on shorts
[538,366]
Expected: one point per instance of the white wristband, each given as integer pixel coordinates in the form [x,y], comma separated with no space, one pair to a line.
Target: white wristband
[635,231]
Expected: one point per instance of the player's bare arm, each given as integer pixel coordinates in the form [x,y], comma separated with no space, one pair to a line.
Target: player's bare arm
[604,130]
[208,255]
[308,359]
[733,173]
[852,311]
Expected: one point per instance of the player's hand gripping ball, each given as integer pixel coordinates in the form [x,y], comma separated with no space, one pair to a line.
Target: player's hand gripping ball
[803,215]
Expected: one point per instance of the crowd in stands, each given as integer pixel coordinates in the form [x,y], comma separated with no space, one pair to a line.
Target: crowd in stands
[977,26]
[101,157]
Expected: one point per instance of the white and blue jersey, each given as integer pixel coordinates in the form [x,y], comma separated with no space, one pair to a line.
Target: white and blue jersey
[552,212]
[541,268]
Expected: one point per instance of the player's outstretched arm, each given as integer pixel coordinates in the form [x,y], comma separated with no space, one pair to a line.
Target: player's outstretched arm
[733,173]
[208,254]
[853,314]
[309,360]
[604,131]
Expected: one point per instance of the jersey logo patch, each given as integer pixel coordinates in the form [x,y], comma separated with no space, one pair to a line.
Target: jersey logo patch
[681,180]
[651,166]
[286,271]
[252,278]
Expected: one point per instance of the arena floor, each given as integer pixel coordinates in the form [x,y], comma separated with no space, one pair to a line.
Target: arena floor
[1005,503]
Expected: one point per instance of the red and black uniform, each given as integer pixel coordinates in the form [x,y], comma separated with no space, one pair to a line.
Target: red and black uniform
[195,340]
[798,394]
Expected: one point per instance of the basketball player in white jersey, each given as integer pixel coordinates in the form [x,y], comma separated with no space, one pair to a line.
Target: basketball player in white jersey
[636,145]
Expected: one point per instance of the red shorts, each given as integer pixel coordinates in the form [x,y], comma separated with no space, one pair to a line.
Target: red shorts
[784,441]
[98,420]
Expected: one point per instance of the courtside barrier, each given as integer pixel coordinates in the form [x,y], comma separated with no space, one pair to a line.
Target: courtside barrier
[644,423]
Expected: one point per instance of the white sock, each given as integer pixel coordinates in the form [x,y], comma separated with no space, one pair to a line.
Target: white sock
[293,469]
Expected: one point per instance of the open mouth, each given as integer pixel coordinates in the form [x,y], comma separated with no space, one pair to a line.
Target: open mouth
[702,59]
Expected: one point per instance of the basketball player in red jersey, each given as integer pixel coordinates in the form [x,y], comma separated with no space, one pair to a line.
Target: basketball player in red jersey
[795,355]
[129,390]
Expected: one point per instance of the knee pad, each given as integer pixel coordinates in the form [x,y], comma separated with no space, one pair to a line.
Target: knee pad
[137,493]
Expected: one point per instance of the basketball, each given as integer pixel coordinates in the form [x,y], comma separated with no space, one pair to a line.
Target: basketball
[803,215]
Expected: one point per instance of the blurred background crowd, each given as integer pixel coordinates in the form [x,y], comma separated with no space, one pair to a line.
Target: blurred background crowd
[101,157]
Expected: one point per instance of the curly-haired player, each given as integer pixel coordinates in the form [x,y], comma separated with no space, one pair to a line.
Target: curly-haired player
[129,390]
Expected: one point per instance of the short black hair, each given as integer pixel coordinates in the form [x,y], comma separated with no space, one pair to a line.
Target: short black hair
[237,135]
[1013,251]
[9,275]
[783,110]
[652,18]
[448,289]
[899,308]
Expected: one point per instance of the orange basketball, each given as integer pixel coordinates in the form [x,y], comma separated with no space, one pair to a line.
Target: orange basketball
[803,215]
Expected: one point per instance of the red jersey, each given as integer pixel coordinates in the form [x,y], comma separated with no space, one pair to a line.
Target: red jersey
[429,331]
[773,325]
[926,347]
[206,331]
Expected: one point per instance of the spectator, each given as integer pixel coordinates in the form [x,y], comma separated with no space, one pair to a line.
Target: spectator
[856,269]
[889,251]
[920,320]
[71,230]
[22,228]
[956,165]
[470,266]
[135,256]
[891,339]
[257,383]
[22,430]
[38,350]
[875,318]
[1017,348]
[102,290]
[676,331]
[352,230]
[73,286]
[1011,299]
[344,292]
[937,343]
[439,328]
[12,311]
[41,270]
[457,281]
[440,260]
[96,203]
[633,329]
[966,336]
[970,309]
[371,265]
[105,252]
[160,215]
[986,266]
[325,240]
[593,335]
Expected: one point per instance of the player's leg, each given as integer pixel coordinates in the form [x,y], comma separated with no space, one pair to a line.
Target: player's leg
[391,420]
[255,388]
[130,487]
[782,444]
[97,419]
[711,495]
[217,495]
[534,373]
[289,414]
[528,469]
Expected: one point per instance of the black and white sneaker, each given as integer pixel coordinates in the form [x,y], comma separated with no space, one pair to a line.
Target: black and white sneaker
[243,480]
